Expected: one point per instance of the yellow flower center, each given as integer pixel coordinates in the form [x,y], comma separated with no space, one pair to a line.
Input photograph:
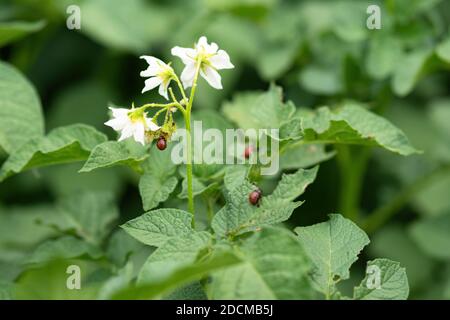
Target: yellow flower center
[165,75]
[136,115]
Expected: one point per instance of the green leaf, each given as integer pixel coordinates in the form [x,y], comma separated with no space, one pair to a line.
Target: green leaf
[91,214]
[432,236]
[112,153]
[392,283]
[274,266]
[384,54]
[175,253]
[56,178]
[348,18]
[409,71]
[49,282]
[235,175]
[67,247]
[353,124]
[15,30]
[121,246]
[116,283]
[319,80]
[156,227]
[198,188]
[276,59]
[62,145]
[21,116]
[180,277]
[37,222]
[237,5]
[393,242]
[291,130]
[79,103]
[155,190]
[443,50]
[303,156]
[107,21]
[6,291]
[192,291]
[405,10]
[158,181]
[254,110]
[239,216]
[332,246]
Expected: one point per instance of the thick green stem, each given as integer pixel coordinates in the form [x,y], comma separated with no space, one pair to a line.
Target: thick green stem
[190,193]
[381,215]
[352,167]
[187,119]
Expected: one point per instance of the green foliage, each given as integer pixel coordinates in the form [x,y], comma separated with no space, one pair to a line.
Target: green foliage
[274,266]
[158,180]
[62,145]
[347,98]
[352,124]
[432,236]
[156,227]
[393,283]
[112,153]
[332,247]
[90,214]
[14,31]
[239,216]
[21,116]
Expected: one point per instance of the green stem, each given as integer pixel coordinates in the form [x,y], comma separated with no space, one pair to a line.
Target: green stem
[178,105]
[189,173]
[158,105]
[352,167]
[209,208]
[187,119]
[183,94]
[381,215]
[159,112]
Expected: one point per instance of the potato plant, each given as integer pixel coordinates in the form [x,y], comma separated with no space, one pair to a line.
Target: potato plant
[339,191]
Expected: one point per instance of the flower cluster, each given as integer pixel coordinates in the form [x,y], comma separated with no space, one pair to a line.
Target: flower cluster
[204,60]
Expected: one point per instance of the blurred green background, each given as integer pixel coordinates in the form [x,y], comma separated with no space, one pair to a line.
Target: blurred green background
[320,52]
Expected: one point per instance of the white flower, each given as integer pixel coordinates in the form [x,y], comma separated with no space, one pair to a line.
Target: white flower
[159,73]
[211,59]
[131,123]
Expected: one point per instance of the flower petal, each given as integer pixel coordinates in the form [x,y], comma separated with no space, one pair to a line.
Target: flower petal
[163,89]
[126,133]
[151,83]
[152,61]
[212,77]
[188,74]
[119,112]
[187,55]
[151,71]
[221,60]
[202,42]
[139,133]
[118,123]
[151,125]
